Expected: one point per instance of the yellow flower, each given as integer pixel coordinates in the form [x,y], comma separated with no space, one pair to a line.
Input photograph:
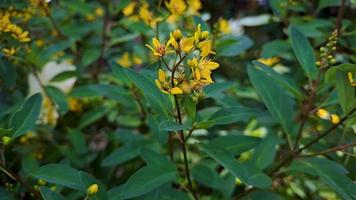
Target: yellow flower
[9,52]
[158,49]
[90,17]
[351,79]
[187,44]
[129,9]
[223,26]
[93,189]
[194,6]
[124,60]
[147,16]
[323,114]
[205,47]
[201,71]
[335,119]
[164,86]
[269,61]
[176,7]
[75,105]
[99,12]
[136,59]
[6,140]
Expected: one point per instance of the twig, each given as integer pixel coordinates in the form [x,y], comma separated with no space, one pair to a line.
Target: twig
[331,150]
[17,178]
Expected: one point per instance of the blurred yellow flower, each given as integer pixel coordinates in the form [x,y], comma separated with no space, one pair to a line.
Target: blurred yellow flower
[269,61]
[335,119]
[99,12]
[194,6]
[176,7]
[74,105]
[124,60]
[93,189]
[129,9]
[323,114]
[224,26]
[9,51]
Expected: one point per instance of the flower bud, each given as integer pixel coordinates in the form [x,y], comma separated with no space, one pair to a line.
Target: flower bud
[93,189]
[204,35]
[6,140]
[177,34]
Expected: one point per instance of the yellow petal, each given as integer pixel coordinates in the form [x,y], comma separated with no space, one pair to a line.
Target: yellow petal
[161,76]
[156,43]
[187,44]
[176,90]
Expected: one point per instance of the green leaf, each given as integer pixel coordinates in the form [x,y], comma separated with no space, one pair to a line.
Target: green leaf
[345,92]
[59,174]
[232,114]
[167,193]
[147,179]
[25,119]
[246,173]
[190,109]
[235,144]
[120,156]
[64,76]
[278,7]
[303,51]
[159,101]
[276,99]
[169,125]
[229,46]
[92,116]
[327,3]
[288,84]
[59,98]
[208,177]
[262,195]
[330,172]
[346,67]
[48,194]
[265,152]
[153,158]
[5,195]
[215,89]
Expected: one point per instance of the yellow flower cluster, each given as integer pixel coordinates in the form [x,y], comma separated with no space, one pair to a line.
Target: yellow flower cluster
[98,12]
[12,30]
[191,76]
[324,114]
[127,60]
[142,13]
[180,7]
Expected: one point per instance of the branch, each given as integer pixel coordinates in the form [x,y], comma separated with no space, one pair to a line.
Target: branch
[331,150]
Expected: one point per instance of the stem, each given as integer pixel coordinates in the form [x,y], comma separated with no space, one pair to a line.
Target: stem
[340,14]
[331,150]
[184,148]
[180,133]
[17,178]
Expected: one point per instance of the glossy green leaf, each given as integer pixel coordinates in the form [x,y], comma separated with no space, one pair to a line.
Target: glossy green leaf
[159,101]
[147,179]
[330,172]
[92,116]
[235,144]
[276,99]
[208,177]
[345,92]
[262,195]
[59,98]
[303,51]
[59,174]
[265,152]
[232,114]
[228,46]
[246,173]
[169,125]
[25,119]
[120,156]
